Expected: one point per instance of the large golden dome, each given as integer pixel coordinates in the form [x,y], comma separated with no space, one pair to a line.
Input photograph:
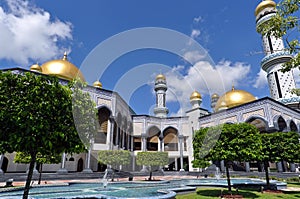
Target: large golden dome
[195,96]
[62,68]
[264,4]
[233,98]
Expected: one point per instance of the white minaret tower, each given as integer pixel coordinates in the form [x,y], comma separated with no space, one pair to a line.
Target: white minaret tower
[160,88]
[280,83]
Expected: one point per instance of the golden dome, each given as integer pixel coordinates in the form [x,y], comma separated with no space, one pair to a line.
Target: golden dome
[195,96]
[36,67]
[160,76]
[62,68]
[214,96]
[233,98]
[264,4]
[97,84]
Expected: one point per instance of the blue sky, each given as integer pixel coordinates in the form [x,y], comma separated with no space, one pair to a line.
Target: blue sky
[38,31]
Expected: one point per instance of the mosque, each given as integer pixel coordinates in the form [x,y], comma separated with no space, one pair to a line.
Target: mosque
[121,128]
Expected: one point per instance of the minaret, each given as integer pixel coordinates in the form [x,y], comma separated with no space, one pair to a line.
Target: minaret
[195,99]
[214,98]
[160,88]
[280,83]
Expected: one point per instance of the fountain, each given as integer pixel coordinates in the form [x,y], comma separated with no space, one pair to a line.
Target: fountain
[127,190]
[217,173]
[104,179]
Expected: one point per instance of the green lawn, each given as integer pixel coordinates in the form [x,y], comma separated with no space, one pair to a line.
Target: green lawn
[210,193]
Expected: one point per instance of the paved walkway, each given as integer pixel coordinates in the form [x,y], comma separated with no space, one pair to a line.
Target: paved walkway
[136,178]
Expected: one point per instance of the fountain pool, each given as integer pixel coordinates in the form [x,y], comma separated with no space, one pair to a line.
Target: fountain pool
[132,190]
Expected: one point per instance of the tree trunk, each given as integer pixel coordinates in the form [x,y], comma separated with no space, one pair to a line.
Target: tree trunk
[41,170]
[228,177]
[266,166]
[150,177]
[29,176]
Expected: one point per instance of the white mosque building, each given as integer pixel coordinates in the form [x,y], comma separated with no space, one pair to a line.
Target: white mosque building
[120,128]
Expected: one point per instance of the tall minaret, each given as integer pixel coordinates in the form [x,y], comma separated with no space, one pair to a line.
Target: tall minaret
[280,83]
[160,88]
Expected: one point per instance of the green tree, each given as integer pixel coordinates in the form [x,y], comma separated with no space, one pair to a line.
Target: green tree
[152,159]
[24,158]
[279,146]
[36,116]
[230,142]
[200,150]
[114,158]
[285,24]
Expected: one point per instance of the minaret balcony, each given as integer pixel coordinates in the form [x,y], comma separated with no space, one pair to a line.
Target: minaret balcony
[274,59]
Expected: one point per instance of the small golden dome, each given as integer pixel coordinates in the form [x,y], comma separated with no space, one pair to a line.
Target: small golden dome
[160,76]
[36,67]
[97,84]
[62,68]
[214,96]
[233,98]
[195,96]
[264,4]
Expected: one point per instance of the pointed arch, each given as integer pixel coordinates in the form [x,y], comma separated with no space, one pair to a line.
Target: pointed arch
[293,126]
[280,123]
[170,139]
[153,133]
[104,114]
[259,122]
[80,165]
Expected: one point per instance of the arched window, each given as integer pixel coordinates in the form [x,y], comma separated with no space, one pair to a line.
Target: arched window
[171,139]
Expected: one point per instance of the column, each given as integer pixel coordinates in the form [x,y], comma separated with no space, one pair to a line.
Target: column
[292,167]
[159,144]
[110,134]
[117,138]
[131,143]
[1,162]
[63,170]
[247,166]
[144,148]
[279,166]
[222,165]
[123,139]
[87,168]
[180,137]
[176,165]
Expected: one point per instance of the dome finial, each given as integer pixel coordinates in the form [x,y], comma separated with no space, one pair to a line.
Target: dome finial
[65,56]
[232,87]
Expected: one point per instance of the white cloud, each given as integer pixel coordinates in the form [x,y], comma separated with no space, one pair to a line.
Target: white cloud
[194,56]
[204,78]
[195,33]
[261,79]
[198,19]
[296,73]
[28,33]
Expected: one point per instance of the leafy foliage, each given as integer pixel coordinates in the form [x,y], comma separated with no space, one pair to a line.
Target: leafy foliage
[114,157]
[151,159]
[237,142]
[36,117]
[41,159]
[157,158]
[281,146]
[229,142]
[284,24]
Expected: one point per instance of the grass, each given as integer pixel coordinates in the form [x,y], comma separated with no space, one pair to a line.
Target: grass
[213,193]
[293,184]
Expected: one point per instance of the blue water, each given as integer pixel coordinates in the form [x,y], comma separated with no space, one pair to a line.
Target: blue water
[122,190]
